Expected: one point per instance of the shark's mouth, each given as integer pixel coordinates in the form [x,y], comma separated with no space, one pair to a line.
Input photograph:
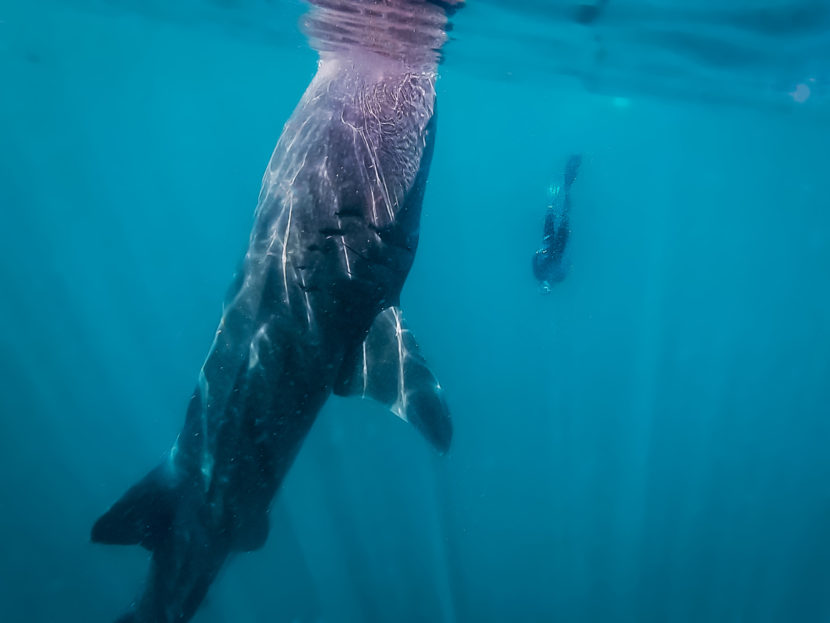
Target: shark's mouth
[409,31]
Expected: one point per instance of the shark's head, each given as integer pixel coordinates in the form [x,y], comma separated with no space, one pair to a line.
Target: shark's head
[407,32]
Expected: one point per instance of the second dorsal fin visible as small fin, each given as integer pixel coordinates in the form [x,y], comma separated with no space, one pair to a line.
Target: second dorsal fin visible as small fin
[389,368]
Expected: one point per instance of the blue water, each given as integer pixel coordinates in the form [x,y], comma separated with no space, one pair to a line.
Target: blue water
[647,443]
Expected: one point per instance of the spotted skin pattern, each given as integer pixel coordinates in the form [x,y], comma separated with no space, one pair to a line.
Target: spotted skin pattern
[313,310]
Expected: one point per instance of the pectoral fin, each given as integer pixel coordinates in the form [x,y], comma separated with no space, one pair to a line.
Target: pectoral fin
[389,368]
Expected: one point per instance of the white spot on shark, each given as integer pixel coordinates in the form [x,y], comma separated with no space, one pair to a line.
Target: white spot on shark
[253,355]
[365,370]
[399,408]
[285,247]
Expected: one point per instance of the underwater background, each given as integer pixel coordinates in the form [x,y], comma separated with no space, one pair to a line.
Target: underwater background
[650,442]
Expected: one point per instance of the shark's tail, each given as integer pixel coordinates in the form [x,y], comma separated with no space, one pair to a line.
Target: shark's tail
[159,513]
[143,515]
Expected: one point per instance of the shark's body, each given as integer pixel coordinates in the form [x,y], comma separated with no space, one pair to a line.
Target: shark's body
[314,308]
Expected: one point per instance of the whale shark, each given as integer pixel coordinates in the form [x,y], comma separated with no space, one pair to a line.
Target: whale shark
[314,308]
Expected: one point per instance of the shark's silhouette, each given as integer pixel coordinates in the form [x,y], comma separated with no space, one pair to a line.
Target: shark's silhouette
[314,307]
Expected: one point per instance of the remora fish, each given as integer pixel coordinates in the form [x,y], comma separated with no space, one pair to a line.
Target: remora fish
[314,308]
